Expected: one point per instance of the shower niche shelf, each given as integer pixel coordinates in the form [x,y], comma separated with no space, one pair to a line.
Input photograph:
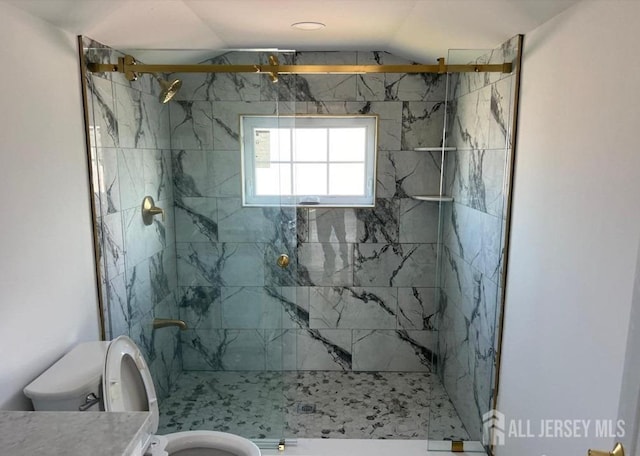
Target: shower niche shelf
[435,149]
[434,198]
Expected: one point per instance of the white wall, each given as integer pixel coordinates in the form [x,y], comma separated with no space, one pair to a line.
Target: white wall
[576,223]
[47,281]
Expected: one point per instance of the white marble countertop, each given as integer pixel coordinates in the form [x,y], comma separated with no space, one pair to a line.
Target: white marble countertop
[72,433]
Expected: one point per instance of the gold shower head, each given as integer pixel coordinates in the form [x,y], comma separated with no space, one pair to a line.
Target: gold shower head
[168,89]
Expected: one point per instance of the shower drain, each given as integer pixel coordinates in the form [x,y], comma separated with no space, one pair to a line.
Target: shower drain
[306,409]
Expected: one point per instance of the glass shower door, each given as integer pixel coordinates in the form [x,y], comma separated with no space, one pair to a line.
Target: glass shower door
[274,179]
[215,262]
[471,244]
[239,360]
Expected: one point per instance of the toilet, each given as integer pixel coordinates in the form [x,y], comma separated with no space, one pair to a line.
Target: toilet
[114,377]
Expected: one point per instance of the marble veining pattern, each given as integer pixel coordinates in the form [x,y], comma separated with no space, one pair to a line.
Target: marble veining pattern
[417,308]
[196,219]
[392,86]
[418,221]
[191,125]
[110,233]
[361,291]
[223,86]
[129,136]
[352,263]
[402,348]
[380,224]
[106,183]
[472,236]
[469,82]
[476,178]
[103,122]
[475,237]
[118,315]
[392,405]
[422,124]
[402,174]
[353,308]
[157,174]
[394,265]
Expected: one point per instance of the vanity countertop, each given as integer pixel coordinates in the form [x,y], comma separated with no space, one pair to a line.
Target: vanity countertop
[72,433]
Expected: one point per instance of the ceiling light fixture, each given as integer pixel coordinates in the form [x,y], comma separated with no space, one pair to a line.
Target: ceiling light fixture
[308,26]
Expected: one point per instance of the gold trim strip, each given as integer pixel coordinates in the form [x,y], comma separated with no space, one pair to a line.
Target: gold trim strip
[510,174]
[127,66]
[92,202]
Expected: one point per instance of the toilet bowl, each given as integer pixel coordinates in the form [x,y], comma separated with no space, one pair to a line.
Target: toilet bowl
[114,377]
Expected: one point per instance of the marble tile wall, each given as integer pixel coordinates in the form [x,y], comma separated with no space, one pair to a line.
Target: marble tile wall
[363,291]
[360,291]
[479,117]
[131,158]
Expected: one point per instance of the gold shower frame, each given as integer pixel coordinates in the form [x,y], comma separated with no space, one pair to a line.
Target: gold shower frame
[130,68]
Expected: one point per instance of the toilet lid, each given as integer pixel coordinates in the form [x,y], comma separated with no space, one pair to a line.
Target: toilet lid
[126,381]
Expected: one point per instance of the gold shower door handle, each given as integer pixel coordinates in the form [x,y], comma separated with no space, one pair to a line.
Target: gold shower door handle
[283,260]
[618,450]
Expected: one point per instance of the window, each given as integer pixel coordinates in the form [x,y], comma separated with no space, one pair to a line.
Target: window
[309,160]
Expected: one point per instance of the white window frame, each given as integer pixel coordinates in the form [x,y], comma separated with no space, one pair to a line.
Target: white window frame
[249,123]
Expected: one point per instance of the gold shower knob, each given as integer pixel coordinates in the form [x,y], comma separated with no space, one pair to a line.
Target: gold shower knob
[283,260]
[149,209]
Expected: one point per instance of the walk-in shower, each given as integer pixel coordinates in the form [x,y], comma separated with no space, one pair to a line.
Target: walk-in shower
[382,323]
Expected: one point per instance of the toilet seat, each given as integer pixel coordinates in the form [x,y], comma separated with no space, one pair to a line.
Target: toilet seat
[127,386]
[126,381]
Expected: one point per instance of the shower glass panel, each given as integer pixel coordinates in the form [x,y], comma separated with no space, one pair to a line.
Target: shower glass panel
[303,320]
[129,146]
[470,243]
[209,261]
[234,356]
[365,348]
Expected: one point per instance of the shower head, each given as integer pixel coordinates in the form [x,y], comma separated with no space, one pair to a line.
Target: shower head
[168,89]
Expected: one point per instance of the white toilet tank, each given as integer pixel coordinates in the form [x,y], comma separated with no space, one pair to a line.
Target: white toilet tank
[66,385]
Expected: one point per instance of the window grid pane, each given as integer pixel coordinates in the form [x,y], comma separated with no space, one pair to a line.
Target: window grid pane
[314,161]
[310,144]
[291,175]
[346,179]
[328,136]
[347,144]
[311,179]
[302,180]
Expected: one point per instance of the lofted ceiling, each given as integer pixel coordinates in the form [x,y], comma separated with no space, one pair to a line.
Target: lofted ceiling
[417,29]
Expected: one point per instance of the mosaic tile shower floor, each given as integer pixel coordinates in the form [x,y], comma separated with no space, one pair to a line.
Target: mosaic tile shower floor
[353,405]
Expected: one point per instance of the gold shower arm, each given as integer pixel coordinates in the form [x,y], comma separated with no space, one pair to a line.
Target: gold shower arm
[131,68]
[164,322]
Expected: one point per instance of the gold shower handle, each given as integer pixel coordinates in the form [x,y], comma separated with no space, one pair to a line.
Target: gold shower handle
[283,260]
[156,211]
[618,450]
[149,209]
